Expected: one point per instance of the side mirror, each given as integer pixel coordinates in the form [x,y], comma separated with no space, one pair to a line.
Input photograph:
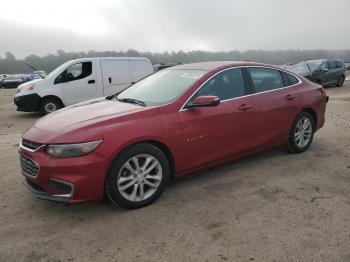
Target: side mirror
[204,101]
[324,70]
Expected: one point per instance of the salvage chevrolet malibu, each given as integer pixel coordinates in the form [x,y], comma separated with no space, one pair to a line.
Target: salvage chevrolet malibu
[127,146]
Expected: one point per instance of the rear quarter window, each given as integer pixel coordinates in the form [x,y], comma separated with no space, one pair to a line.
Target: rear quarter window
[289,79]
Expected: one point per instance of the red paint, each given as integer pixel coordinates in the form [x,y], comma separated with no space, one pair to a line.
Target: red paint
[197,138]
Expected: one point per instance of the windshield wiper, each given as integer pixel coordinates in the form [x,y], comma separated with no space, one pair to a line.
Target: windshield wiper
[132,101]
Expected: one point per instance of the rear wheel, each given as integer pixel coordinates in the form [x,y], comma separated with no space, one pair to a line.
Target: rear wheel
[137,177]
[49,105]
[301,133]
[341,81]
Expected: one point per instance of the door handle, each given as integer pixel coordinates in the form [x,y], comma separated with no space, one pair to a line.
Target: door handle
[110,79]
[245,107]
[91,81]
[289,97]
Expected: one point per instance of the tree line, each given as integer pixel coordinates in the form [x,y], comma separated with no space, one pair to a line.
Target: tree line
[10,65]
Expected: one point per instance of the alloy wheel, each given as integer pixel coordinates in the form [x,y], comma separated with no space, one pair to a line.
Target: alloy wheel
[303,132]
[139,177]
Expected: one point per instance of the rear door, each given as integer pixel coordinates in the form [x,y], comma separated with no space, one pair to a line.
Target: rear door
[115,76]
[333,73]
[78,82]
[140,69]
[277,105]
[340,70]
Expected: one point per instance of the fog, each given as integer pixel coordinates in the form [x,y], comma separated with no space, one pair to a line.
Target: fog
[41,27]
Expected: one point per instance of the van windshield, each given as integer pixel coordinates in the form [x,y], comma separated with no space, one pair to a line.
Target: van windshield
[161,87]
[58,70]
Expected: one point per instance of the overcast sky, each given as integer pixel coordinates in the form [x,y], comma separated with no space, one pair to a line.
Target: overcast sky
[41,27]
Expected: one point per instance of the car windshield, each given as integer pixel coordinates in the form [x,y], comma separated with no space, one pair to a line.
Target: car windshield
[314,65]
[300,68]
[162,87]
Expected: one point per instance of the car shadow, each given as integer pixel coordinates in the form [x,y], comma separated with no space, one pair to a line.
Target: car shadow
[29,115]
[205,177]
[231,165]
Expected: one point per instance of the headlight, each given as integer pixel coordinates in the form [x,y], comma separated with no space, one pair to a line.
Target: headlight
[71,150]
[29,87]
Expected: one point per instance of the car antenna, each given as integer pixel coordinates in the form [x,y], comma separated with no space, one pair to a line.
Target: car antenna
[32,67]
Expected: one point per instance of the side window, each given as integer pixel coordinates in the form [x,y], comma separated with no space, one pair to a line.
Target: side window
[75,72]
[340,64]
[265,79]
[289,79]
[226,85]
[332,65]
[324,65]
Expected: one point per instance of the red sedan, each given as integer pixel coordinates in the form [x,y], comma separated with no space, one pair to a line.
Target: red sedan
[171,123]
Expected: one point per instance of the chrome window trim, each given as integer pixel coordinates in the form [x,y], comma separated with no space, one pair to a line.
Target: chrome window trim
[237,67]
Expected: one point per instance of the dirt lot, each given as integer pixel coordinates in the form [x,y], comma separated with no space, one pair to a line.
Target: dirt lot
[269,207]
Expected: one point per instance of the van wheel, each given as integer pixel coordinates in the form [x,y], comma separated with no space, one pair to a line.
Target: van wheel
[49,105]
[341,81]
[301,133]
[137,176]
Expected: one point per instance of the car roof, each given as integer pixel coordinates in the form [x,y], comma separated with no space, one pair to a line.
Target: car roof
[213,65]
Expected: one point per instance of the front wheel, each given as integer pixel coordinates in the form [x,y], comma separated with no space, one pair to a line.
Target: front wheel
[301,133]
[49,105]
[137,177]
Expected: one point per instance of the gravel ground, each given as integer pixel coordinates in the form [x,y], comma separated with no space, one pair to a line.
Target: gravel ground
[272,206]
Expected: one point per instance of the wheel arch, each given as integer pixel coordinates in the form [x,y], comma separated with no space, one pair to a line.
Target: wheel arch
[50,96]
[160,145]
[312,113]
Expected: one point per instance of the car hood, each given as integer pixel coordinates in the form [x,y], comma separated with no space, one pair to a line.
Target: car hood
[86,121]
[306,74]
[35,81]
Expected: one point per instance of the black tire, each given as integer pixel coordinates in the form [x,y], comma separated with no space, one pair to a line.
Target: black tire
[50,105]
[293,145]
[341,81]
[115,171]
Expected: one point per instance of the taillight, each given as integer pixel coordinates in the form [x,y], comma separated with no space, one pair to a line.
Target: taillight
[323,93]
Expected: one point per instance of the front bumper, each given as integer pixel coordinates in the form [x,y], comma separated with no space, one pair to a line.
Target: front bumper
[41,194]
[68,180]
[27,103]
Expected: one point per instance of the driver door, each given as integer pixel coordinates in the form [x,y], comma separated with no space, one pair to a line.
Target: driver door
[79,82]
[208,134]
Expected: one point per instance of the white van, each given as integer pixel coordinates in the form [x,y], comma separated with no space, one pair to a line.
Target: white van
[79,80]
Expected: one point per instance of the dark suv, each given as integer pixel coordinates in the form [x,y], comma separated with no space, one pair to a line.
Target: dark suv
[325,72]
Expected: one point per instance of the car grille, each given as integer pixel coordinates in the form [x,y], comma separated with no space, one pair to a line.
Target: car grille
[28,167]
[30,144]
